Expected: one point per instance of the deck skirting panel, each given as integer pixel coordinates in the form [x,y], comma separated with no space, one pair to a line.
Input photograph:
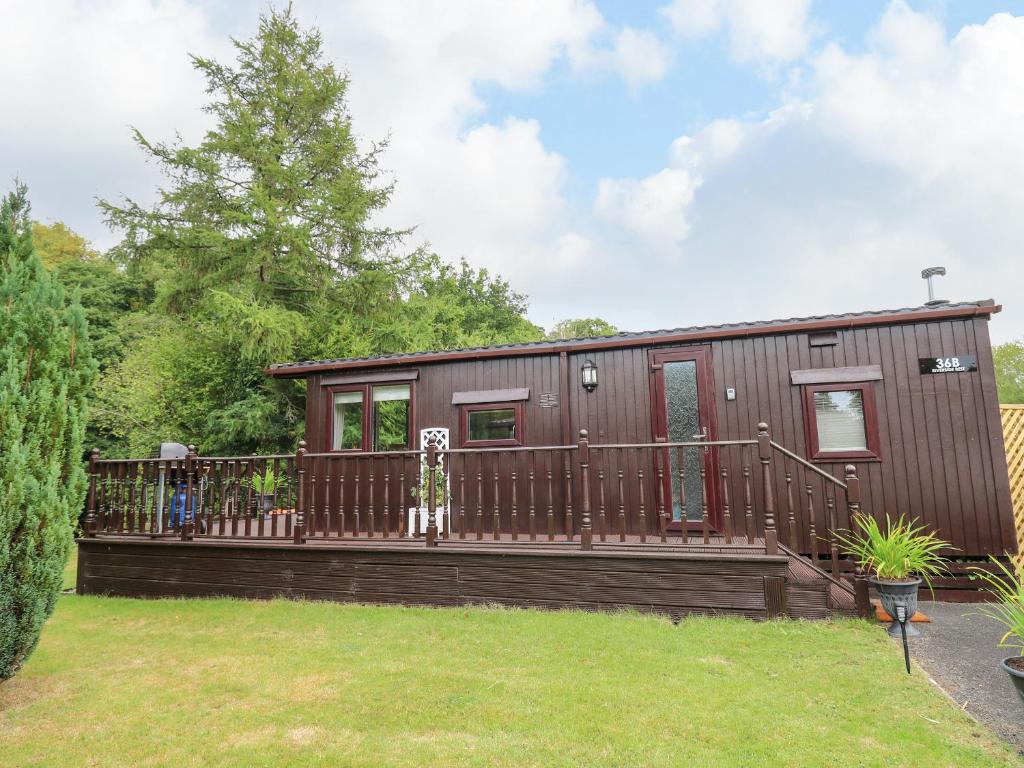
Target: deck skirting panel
[674,584]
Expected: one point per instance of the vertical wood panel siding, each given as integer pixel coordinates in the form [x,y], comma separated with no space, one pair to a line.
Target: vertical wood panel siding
[942,457]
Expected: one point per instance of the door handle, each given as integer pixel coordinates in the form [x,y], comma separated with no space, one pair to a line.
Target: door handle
[703,435]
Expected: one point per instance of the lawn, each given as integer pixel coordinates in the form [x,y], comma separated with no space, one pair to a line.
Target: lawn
[120,682]
[71,570]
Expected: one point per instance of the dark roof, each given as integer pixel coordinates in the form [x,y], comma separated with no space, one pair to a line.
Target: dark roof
[642,338]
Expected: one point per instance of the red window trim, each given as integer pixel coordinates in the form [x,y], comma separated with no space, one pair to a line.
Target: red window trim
[465,410]
[867,391]
[366,390]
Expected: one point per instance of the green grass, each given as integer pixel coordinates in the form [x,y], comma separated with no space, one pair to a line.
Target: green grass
[119,682]
[71,569]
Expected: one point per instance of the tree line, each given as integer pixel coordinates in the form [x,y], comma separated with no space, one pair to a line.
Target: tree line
[262,247]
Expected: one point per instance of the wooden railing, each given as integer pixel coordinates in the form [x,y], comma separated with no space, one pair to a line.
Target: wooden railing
[749,491]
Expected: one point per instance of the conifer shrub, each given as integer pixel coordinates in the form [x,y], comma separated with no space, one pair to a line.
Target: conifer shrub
[46,370]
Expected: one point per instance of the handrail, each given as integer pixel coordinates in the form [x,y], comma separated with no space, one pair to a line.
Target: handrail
[805,463]
[508,449]
[694,444]
[407,452]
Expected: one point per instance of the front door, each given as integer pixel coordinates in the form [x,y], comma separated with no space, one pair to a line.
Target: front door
[683,412]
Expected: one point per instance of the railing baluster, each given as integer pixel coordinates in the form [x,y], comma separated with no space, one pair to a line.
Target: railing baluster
[496,513]
[387,497]
[833,550]
[684,518]
[640,487]
[444,470]
[341,498]
[431,492]
[791,536]
[131,471]
[276,502]
[583,456]
[812,530]
[462,496]
[91,519]
[705,524]
[570,533]
[188,516]
[726,511]
[479,496]
[355,504]
[622,505]
[371,519]
[533,516]
[602,521]
[299,530]
[659,495]
[853,511]
[249,500]
[551,503]
[515,510]
[764,451]
[104,520]
[748,500]
[147,496]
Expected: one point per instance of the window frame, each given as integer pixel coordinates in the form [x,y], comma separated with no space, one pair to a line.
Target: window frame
[510,405]
[867,390]
[366,390]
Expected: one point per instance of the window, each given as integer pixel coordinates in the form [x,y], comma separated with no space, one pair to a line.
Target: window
[391,417]
[841,421]
[492,424]
[347,428]
[385,427]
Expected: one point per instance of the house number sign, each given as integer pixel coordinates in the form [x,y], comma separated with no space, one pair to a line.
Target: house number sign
[950,364]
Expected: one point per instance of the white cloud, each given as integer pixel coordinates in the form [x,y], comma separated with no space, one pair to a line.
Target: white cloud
[897,157]
[654,207]
[637,56]
[762,32]
[491,192]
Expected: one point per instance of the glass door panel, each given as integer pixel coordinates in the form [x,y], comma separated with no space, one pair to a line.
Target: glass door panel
[682,415]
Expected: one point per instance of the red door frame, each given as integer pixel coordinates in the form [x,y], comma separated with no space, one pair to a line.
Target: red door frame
[706,414]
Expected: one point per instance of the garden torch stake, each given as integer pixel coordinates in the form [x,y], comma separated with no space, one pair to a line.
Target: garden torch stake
[901,617]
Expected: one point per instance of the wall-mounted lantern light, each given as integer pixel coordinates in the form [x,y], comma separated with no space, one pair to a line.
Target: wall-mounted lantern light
[589,371]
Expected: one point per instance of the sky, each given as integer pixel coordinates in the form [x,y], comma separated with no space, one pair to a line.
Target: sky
[657,164]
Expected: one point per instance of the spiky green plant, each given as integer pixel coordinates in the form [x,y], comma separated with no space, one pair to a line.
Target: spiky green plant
[266,483]
[1007,588]
[898,553]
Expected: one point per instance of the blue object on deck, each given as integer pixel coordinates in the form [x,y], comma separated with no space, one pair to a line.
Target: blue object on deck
[178,516]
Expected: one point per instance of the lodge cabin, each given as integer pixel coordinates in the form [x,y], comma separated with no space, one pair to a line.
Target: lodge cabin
[700,469]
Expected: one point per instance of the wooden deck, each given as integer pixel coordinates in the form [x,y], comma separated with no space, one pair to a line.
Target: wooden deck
[671,579]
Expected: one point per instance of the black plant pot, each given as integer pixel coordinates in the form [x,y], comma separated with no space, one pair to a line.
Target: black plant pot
[894,594]
[1016,676]
[266,503]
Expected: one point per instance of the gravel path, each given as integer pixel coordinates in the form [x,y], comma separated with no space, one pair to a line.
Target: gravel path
[958,649]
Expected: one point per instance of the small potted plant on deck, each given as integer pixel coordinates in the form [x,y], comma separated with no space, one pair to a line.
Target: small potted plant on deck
[418,514]
[898,558]
[265,485]
[1007,590]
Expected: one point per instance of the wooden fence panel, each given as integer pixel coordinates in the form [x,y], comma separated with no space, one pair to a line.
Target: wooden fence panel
[1013,436]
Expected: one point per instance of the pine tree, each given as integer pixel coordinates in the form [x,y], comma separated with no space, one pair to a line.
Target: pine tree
[45,372]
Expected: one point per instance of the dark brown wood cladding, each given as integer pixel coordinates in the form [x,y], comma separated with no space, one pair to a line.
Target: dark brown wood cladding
[942,456]
[676,585]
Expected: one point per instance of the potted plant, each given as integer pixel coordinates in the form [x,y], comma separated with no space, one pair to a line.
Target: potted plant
[898,559]
[1007,590]
[265,485]
[419,494]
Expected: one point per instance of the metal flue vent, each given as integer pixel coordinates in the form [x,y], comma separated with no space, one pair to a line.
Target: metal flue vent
[928,274]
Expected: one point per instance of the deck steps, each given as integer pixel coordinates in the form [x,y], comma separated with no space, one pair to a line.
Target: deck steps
[812,594]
